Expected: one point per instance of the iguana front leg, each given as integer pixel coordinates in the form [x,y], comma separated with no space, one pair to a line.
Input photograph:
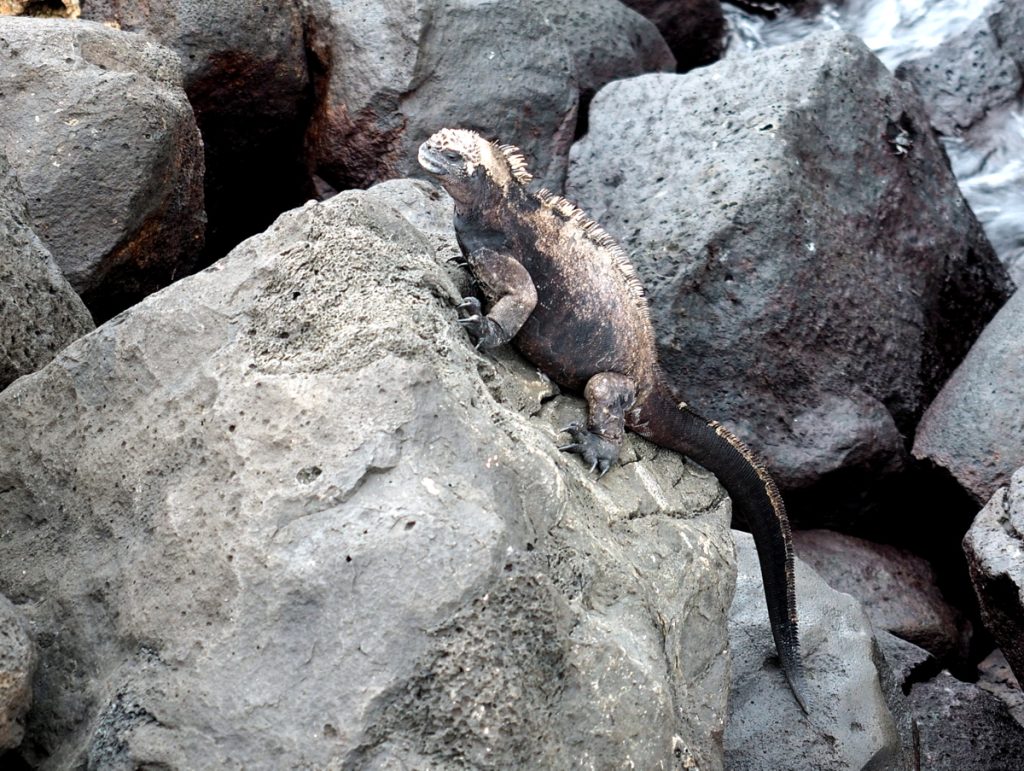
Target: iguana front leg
[510,290]
[610,396]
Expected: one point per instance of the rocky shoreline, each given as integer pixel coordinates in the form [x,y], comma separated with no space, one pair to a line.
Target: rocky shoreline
[263,505]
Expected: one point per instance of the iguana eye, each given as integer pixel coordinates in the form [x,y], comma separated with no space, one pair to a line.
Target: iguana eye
[452,155]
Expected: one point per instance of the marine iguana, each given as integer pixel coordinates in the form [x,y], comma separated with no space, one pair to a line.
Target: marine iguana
[567,296]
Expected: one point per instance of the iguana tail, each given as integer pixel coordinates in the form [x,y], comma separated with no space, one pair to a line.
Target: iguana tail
[753,493]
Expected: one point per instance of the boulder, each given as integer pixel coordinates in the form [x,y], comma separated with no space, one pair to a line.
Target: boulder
[964,728]
[279,513]
[813,271]
[971,85]
[693,29]
[898,589]
[850,726]
[97,128]
[975,426]
[973,72]
[247,77]
[39,312]
[17,667]
[995,558]
[397,72]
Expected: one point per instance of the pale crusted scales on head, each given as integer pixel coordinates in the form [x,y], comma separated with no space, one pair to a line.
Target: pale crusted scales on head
[466,143]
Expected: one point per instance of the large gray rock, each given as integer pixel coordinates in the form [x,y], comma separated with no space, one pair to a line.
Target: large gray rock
[247,79]
[850,725]
[39,312]
[275,515]
[97,127]
[17,666]
[975,426]
[814,273]
[397,72]
[964,728]
[899,590]
[995,558]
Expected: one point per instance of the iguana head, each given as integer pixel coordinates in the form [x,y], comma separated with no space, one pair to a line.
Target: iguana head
[464,163]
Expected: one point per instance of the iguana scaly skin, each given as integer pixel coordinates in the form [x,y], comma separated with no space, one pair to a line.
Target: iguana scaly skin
[567,297]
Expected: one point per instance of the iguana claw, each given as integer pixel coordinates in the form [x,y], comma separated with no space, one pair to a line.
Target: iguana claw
[483,330]
[593,448]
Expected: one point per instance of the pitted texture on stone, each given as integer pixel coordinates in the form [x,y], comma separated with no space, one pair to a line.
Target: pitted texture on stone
[274,511]
[17,666]
[807,278]
[975,426]
[97,127]
[396,72]
[995,557]
[39,311]
[851,725]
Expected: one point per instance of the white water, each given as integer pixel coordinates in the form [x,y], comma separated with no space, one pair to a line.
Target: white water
[988,162]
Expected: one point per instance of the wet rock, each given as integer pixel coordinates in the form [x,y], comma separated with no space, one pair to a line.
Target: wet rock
[396,73]
[814,273]
[247,77]
[898,589]
[17,666]
[975,426]
[850,724]
[972,85]
[995,558]
[693,29]
[97,128]
[275,511]
[973,72]
[964,728]
[39,312]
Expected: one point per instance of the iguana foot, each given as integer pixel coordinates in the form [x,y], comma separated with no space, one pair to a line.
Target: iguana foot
[486,332]
[595,450]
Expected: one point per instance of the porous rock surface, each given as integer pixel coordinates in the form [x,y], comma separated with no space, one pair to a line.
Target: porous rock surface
[972,85]
[963,727]
[975,426]
[974,72]
[898,589]
[397,72]
[995,558]
[17,666]
[247,77]
[39,312]
[274,515]
[814,273]
[851,723]
[97,127]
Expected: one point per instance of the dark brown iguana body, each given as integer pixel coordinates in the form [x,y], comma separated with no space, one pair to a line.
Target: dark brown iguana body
[566,295]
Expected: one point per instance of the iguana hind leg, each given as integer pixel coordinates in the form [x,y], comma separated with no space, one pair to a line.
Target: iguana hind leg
[610,396]
[508,286]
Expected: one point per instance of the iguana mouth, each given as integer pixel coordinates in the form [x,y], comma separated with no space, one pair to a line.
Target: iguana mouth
[427,157]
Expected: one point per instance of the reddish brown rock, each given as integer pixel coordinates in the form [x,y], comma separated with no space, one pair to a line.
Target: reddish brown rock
[98,129]
[898,589]
[395,73]
[247,78]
